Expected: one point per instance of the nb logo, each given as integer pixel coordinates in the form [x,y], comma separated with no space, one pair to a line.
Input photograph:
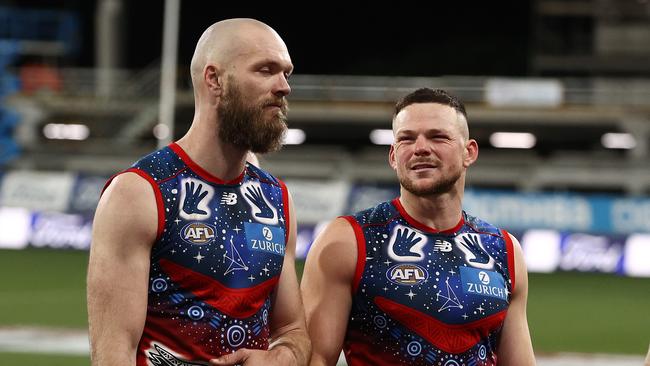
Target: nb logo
[228,198]
[475,254]
[442,246]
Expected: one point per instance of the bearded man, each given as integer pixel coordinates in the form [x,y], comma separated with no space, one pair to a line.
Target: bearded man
[192,257]
[418,281]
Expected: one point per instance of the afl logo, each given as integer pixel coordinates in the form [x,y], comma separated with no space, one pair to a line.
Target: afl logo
[407,274]
[197,233]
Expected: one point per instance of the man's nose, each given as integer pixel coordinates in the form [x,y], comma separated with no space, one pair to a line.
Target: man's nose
[281,87]
[421,146]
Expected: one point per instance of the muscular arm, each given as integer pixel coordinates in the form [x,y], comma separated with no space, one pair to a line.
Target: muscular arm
[290,344]
[288,327]
[326,290]
[124,230]
[515,347]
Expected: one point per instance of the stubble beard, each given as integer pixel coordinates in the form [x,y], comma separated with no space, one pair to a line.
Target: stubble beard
[443,185]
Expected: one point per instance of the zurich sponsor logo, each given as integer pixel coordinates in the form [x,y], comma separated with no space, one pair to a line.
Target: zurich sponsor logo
[407,274]
[483,283]
[197,233]
[265,238]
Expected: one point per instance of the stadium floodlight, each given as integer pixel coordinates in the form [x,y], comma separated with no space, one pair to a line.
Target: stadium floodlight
[294,136]
[161,131]
[382,137]
[637,252]
[542,250]
[614,140]
[513,140]
[62,131]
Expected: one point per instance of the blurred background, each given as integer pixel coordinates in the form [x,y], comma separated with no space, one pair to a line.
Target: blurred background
[558,98]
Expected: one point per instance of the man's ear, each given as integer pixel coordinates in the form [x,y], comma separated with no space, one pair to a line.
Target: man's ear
[213,79]
[391,157]
[471,153]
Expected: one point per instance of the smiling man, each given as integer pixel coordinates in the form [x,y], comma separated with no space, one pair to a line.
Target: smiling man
[417,281]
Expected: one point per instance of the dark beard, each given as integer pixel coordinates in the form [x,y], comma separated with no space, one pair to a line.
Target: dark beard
[443,186]
[244,126]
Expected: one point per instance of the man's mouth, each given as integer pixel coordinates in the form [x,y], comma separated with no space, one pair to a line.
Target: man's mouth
[422,166]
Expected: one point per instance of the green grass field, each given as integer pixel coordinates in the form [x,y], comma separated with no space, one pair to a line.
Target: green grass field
[578,312]
[567,312]
[21,359]
[43,287]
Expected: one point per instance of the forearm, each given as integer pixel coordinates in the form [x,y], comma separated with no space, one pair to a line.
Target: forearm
[117,310]
[109,353]
[295,345]
[114,337]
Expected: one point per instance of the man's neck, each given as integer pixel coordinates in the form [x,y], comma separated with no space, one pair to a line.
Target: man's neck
[204,147]
[440,212]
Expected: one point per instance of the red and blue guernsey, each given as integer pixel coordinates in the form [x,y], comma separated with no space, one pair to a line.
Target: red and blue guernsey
[427,297]
[216,260]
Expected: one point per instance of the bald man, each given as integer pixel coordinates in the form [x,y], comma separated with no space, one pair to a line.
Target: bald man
[192,257]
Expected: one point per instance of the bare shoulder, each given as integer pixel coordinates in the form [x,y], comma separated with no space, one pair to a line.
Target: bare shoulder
[335,250]
[338,235]
[127,186]
[127,208]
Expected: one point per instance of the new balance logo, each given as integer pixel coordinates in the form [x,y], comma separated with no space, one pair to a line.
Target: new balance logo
[228,198]
[442,246]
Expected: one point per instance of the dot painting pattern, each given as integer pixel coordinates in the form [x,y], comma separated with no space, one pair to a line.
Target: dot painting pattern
[427,297]
[216,262]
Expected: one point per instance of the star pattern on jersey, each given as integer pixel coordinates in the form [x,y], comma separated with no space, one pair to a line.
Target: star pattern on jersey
[452,299]
[234,259]
[430,286]
[410,294]
[211,289]
[198,257]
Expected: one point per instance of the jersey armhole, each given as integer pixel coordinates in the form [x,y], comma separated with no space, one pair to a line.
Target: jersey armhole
[287,214]
[361,252]
[510,252]
[156,190]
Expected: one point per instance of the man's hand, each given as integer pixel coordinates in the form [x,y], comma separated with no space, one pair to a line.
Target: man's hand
[277,356]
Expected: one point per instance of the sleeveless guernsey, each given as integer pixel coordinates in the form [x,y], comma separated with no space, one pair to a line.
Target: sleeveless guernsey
[427,297]
[217,258]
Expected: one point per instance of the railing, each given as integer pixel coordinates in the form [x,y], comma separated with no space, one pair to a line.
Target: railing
[524,92]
